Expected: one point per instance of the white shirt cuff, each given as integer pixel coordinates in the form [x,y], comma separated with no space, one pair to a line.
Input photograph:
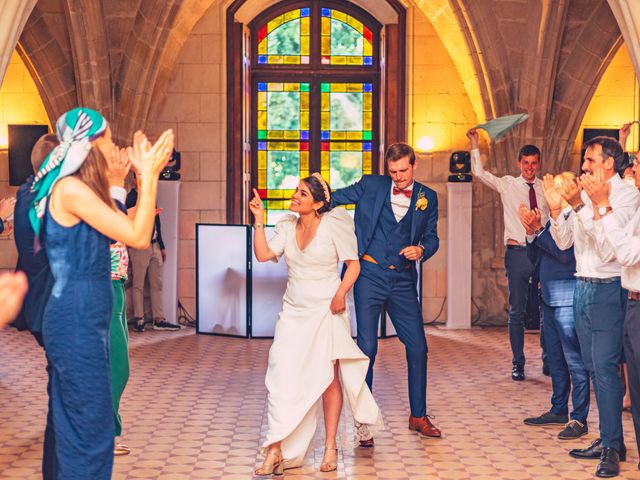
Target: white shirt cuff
[118,193]
[531,238]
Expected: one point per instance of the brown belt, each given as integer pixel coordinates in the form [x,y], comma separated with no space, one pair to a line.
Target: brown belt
[635,296]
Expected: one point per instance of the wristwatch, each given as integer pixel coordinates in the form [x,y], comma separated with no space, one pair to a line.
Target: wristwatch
[578,207]
[602,211]
[538,231]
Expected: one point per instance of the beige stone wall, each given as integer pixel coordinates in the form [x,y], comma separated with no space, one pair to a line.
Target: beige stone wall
[194,106]
[19,103]
[615,101]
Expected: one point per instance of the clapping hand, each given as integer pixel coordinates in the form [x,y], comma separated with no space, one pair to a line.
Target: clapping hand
[570,191]
[551,193]
[257,207]
[597,188]
[530,219]
[472,135]
[119,166]
[147,159]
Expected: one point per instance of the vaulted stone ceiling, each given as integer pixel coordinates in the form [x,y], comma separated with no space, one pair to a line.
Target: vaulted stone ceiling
[544,57]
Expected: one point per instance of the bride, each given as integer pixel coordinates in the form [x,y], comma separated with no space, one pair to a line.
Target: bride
[313,356]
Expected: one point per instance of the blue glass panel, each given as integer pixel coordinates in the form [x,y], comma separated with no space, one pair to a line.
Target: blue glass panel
[304,12]
[368,60]
[262,145]
[304,134]
[366,146]
[262,87]
[367,87]
[262,59]
[326,12]
[325,135]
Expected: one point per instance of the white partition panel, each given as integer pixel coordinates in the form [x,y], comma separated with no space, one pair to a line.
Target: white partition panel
[169,202]
[222,279]
[268,284]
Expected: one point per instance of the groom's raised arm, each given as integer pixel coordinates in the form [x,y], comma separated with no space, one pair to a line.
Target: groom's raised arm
[348,195]
[430,241]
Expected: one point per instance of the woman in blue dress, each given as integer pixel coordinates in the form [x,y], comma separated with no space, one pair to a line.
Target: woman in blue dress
[74,215]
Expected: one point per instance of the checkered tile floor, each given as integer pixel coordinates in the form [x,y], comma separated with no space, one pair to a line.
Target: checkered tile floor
[195,409]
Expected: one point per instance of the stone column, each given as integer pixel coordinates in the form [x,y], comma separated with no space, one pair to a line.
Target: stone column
[13,16]
[627,13]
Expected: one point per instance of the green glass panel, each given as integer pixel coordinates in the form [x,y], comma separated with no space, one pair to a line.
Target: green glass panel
[283,111]
[262,134]
[283,169]
[285,40]
[345,40]
[346,111]
[366,135]
[346,168]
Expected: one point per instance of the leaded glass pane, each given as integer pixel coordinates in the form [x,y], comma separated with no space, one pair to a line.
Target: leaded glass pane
[283,169]
[344,39]
[346,168]
[284,40]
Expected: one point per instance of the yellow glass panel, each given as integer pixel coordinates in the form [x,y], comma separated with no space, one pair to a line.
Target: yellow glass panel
[339,15]
[275,23]
[304,161]
[368,49]
[291,146]
[366,161]
[325,121]
[338,135]
[325,101]
[262,120]
[304,101]
[326,175]
[262,160]
[292,14]
[354,135]
[338,60]
[367,102]
[275,87]
[366,121]
[262,179]
[304,46]
[305,26]
[326,26]
[354,87]
[276,205]
[354,146]
[291,60]
[275,193]
[291,87]
[354,60]
[277,59]
[286,204]
[262,100]
[262,47]
[326,46]
[324,160]
[355,24]
[338,146]
[291,134]
[275,134]
[288,193]
[338,87]
[274,145]
[304,121]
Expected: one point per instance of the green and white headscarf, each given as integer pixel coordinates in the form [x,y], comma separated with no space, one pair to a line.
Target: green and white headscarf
[75,130]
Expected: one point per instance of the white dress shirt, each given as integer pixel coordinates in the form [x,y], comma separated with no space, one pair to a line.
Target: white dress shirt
[595,256]
[400,203]
[513,191]
[625,241]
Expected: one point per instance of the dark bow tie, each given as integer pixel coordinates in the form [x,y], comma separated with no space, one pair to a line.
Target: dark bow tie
[399,191]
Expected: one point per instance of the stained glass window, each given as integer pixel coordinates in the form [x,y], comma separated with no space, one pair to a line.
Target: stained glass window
[285,39]
[345,40]
[304,119]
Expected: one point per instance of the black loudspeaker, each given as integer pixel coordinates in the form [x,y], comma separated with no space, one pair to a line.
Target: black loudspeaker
[22,138]
[460,167]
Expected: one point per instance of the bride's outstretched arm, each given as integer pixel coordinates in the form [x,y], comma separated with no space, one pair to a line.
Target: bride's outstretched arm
[339,302]
[260,246]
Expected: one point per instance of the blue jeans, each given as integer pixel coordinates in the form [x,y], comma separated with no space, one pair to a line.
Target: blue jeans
[519,270]
[599,312]
[396,289]
[565,363]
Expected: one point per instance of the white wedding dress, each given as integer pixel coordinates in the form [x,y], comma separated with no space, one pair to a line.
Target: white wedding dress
[309,338]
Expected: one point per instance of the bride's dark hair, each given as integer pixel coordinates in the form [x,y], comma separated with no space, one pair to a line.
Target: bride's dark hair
[320,191]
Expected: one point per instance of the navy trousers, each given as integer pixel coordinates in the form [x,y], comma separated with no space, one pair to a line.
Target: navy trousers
[519,270]
[565,363]
[631,340]
[599,310]
[396,289]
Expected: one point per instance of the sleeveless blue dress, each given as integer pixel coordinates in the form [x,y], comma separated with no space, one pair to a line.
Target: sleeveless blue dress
[76,331]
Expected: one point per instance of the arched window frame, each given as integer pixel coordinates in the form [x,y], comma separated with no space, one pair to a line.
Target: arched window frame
[392,120]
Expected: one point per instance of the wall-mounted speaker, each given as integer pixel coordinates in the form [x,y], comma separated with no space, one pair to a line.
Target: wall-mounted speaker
[22,138]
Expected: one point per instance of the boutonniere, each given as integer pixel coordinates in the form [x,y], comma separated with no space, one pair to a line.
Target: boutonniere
[421,202]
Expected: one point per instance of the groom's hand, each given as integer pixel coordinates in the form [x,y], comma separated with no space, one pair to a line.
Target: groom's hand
[412,252]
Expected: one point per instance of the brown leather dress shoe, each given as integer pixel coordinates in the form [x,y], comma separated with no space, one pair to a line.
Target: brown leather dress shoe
[424,427]
[367,443]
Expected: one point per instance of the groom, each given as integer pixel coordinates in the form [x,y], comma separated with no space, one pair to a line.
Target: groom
[396,225]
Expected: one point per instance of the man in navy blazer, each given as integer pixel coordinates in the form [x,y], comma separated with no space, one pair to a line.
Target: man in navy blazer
[396,225]
[557,284]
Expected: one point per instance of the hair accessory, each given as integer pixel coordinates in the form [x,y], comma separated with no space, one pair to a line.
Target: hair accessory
[325,187]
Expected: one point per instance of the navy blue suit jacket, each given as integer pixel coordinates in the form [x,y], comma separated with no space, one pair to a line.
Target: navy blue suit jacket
[369,194]
[557,269]
[34,265]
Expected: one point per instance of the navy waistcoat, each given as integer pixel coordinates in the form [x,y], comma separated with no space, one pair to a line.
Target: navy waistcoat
[390,236]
